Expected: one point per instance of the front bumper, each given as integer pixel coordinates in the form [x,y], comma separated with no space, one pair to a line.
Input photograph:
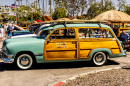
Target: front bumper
[124,53]
[6,58]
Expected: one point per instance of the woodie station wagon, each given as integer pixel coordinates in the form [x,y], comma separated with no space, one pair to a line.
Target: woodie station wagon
[64,42]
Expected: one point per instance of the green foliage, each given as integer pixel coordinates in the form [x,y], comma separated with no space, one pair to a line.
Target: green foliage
[84,16]
[32,11]
[121,5]
[97,8]
[127,9]
[60,11]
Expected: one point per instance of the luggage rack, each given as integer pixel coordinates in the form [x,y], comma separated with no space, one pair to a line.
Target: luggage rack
[75,21]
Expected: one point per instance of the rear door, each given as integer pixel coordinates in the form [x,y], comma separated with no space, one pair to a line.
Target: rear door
[94,38]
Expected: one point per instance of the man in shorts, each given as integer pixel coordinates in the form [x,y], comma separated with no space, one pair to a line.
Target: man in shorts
[9,30]
[126,37]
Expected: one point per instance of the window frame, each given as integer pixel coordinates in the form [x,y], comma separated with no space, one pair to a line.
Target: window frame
[60,29]
[95,28]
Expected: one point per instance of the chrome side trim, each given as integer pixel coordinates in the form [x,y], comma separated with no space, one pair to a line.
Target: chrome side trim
[39,54]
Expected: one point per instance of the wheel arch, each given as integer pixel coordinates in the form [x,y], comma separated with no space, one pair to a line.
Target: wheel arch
[104,50]
[25,52]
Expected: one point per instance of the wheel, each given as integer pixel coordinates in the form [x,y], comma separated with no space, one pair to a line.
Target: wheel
[99,59]
[24,61]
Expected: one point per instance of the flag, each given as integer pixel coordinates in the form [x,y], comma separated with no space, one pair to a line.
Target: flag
[12,6]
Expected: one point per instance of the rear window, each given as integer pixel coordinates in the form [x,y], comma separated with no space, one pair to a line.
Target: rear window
[94,33]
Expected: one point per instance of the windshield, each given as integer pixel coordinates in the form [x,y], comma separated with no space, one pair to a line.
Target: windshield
[34,28]
[45,33]
[37,32]
[41,28]
[28,26]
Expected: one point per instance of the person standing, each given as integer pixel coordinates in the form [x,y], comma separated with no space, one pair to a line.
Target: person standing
[9,29]
[126,38]
[1,32]
[5,28]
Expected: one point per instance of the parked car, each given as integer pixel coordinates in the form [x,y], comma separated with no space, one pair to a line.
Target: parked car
[31,29]
[64,43]
[32,35]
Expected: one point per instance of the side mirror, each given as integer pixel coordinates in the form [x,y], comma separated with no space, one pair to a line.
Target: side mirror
[49,40]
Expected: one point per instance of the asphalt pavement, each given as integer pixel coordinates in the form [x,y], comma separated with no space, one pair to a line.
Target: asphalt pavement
[51,73]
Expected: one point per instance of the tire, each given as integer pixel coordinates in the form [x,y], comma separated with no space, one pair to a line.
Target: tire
[99,59]
[24,61]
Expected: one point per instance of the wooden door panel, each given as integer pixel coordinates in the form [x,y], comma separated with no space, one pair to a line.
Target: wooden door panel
[61,50]
[61,46]
[62,54]
[98,44]
[84,53]
[87,46]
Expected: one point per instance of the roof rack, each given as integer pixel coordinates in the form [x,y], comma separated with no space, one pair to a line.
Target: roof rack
[76,21]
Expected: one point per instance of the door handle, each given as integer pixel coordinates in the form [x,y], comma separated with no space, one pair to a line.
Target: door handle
[74,42]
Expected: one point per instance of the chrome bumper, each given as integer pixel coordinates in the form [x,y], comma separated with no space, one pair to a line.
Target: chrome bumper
[6,58]
[124,54]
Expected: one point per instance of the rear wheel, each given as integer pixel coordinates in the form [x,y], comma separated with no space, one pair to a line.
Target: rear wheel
[24,61]
[99,59]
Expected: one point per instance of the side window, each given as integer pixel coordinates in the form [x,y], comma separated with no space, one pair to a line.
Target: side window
[94,33]
[63,34]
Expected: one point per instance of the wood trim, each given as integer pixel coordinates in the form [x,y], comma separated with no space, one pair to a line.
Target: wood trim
[59,49]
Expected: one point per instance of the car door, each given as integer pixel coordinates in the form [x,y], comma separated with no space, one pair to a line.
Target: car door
[95,38]
[61,45]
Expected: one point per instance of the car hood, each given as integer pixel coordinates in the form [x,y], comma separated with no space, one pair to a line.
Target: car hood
[24,31]
[23,40]
[27,35]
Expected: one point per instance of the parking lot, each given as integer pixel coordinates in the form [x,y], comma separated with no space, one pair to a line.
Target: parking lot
[51,73]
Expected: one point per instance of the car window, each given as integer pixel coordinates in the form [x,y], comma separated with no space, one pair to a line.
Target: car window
[45,33]
[63,34]
[94,33]
[37,31]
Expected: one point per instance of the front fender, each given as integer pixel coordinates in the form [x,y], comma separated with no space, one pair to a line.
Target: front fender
[34,47]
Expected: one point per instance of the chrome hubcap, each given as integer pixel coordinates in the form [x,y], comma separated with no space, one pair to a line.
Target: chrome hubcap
[24,61]
[99,58]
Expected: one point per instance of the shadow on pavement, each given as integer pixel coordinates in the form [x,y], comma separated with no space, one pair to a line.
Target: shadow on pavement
[60,65]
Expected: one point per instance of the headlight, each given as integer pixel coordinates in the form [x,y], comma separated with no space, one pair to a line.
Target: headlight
[4,48]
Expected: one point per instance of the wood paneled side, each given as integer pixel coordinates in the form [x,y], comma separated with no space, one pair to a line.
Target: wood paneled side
[61,46]
[99,44]
[61,54]
[115,51]
[84,54]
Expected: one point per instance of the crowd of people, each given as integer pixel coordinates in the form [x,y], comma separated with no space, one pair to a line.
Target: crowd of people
[6,30]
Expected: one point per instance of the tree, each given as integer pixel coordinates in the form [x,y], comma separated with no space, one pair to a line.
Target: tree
[98,7]
[121,5]
[83,5]
[29,12]
[60,11]
[127,9]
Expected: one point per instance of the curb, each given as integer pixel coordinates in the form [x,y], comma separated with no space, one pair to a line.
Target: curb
[83,74]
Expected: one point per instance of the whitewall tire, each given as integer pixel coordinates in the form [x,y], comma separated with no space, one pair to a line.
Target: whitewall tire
[24,61]
[99,59]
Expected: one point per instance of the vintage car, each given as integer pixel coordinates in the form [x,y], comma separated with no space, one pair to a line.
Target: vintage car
[32,35]
[119,27]
[64,43]
[31,29]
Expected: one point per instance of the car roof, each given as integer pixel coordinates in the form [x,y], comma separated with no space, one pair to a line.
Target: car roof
[44,26]
[55,26]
